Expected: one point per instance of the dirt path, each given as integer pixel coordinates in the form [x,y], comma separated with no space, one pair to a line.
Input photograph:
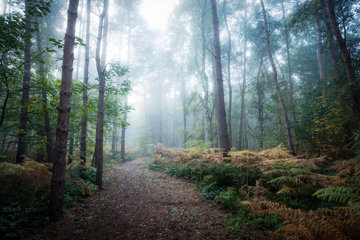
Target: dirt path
[141,204]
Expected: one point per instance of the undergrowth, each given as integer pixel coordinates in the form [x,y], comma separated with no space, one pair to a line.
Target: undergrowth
[25,192]
[273,192]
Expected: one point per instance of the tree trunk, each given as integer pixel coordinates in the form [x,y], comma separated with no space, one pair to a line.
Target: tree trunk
[183,98]
[281,100]
[223,133]
[229,73]
[261,97]
[287,41]
[350,73]
[21,150]
[243,88]
[71,143]
[84,118]
[100,65]
[205,78]
[123,131]
[319,52]
[329,35]
[58,177]
[47,127]
[4,6]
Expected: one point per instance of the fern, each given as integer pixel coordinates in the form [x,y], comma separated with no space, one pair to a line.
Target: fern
[345,195]
[282,179]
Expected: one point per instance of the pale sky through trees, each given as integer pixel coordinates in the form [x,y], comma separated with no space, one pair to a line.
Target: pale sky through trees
[156,12]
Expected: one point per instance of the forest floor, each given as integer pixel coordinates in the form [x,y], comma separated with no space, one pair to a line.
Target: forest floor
[138,203]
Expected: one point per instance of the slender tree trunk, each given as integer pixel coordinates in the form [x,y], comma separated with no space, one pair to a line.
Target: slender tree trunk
[48,134]
[81,27]
[183,99]
[261,97]
[350,73]
[281,100]
[287,41]
[58,177]
[205,78]
[123,132]
[7,95]
[4,6]
[223,132]
[329,36]
[84,118]
[319,52]
[100,65]
[229,73]
[71,144]
[243,88]
[21,150]
[123,129]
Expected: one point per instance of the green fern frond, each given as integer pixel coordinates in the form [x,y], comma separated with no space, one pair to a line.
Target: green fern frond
[277,172]
[346,195]
[284,191]
[298,171]
[282,179]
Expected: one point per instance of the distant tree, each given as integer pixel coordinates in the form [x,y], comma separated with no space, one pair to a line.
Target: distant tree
[84,120]
[229,72]
[243,87]
[47,127]
[62,129]
[281,100]
[345,54]
[21,149]
[101,46]
[223,132]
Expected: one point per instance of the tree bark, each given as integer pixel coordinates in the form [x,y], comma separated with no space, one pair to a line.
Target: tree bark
[287,41]
[123,129]
[100,65]
[350,73]
[205,78]
[229,73]
[319,52]
[243,88]
[123,132]
[281,100]
[223,133]
[58,177]
[21,149]
[261,97]
[47,126]
[84,118]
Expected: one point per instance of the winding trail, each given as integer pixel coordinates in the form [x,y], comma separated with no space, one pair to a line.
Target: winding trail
[138,203]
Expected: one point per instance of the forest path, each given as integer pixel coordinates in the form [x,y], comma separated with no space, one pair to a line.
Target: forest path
[139,203]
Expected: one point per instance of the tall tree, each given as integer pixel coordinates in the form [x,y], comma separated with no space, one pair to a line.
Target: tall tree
[223,133]
[101,66]
[281,100]
[205,79]
[62,129]
[350,73]
[47,127]
[228,72]
[243,87]
[123,129]
[84,118]
[21,150]
[288,60]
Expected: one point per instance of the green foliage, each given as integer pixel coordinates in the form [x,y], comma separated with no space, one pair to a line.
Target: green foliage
[229,198]
[344,195]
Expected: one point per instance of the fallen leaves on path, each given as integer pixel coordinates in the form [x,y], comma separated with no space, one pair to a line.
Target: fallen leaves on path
[138,203]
